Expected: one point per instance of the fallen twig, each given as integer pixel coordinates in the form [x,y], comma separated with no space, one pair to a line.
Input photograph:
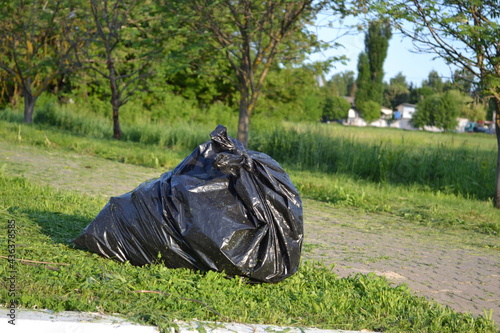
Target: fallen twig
[36,265]
[36,262]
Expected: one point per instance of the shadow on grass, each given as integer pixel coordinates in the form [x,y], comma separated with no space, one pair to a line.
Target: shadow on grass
[61,228]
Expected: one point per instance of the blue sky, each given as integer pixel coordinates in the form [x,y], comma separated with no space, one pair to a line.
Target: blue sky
[414,66]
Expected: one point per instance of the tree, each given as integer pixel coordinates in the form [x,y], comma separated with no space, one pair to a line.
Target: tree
[464,82]
[335,108]
[473,110]
[120,49]
[252,35]
[376,45]
[463,32]
[362,81]
[423,92]
[341,84]
[185,79]
[36,42]
[439,110]
[397,91]
[291,93]
[434,81]
[370,87]
[370,111]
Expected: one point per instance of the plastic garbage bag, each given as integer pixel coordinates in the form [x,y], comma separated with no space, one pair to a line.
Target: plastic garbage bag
[223,208]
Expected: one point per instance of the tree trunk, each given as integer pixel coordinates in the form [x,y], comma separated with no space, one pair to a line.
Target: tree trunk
[117,132]
[244,117]
[29,106]
[496,200]
[115,98]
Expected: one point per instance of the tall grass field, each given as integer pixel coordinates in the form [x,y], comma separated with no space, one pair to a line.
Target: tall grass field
[460,164]
[441,180]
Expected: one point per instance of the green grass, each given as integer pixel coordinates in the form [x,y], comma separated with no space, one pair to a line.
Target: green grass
[46,220]
[335,172]
[457,164]
[413,203]
[460,164]
[120,151]
[398,137]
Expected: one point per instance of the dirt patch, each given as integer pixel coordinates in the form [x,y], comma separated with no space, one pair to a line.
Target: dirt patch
[65,170]
[452,268]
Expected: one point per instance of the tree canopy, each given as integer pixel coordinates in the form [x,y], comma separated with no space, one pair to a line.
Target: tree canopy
[36,43]
[376,45]
[120,49]
[252,36]
[439,110]
[463,32]
[370,86]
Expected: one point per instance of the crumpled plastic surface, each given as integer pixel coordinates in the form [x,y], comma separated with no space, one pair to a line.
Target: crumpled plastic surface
[223,208]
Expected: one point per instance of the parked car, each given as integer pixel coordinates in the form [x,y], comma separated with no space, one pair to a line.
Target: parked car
[478,127]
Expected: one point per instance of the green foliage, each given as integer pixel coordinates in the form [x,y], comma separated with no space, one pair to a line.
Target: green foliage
[434,82]
[370,110]
[252,36]
[369,96]
[291,93]
[341,84]
[363,80]
[462,32]
[335,108]
[470,109]
[376,45]
[440,110]
[463,81]
[36,43]
[396,92]
[424,92]
[120,49]
[370,87]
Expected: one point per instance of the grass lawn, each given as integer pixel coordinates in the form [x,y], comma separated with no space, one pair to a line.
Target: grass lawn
[46,219]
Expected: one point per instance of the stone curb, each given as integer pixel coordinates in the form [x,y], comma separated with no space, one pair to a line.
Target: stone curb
[45,321]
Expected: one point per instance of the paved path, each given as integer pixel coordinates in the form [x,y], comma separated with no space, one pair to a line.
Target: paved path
[434,264]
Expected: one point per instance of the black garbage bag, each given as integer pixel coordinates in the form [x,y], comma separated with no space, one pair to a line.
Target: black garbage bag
[223,208]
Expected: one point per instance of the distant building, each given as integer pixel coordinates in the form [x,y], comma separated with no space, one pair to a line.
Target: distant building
[386,113]
[407,110]
[354,118]
[402,116]
[350,99]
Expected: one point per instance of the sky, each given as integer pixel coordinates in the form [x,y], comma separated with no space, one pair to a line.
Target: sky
[414,66]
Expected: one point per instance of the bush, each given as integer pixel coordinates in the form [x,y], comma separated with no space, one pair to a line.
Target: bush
[335,108]
[370,111]
[440,110]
